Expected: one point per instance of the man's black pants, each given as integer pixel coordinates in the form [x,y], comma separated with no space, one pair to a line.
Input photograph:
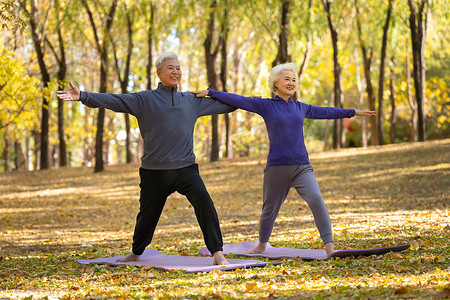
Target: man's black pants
[156,186]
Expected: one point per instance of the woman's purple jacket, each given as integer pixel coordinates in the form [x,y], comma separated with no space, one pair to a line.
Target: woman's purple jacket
[284,122]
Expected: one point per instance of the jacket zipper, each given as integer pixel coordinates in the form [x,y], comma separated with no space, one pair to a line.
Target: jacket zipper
[172,98]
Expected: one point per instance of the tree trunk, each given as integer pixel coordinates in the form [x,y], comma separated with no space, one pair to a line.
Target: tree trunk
[61,78]
[338,98]
[37,150]
[109,149]
[28,155]
[283,50]
[149,47]
[86,145]
[99,162]
[380,114]
[20,158]
[360,86]
[102,48]
[411,100]
[124,80]
[236,70]
[38,39]
[129,152]
[418,27]
[149,65]
[370,96]
[306,55]
[393,106]
[6,151]
[325,135]
[210,59]
[62,70]
[367,59]
[224,29]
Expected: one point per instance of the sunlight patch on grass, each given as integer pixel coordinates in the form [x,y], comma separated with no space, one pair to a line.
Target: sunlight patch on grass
[383,174]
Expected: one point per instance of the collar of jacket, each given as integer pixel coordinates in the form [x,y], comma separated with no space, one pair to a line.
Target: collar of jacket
[278,98]
[167,88]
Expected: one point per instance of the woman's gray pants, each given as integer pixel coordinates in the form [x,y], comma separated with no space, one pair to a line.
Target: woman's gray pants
[277,182]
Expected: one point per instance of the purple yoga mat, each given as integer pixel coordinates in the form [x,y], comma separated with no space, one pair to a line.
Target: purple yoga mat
[306,254]
[190,264]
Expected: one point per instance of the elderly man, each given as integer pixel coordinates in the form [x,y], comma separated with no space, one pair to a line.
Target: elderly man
[166,120]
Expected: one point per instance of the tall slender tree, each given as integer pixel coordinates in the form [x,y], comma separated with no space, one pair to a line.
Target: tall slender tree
[368,50]
[129,14]
[380,114]
[150,38]
[393,117]
[283,55]
[418,22]
[307,54]
[60,57]
[211,53]
[6,152]
[37,19]
[224,32]
[360,86]
[367,56]
[338,95]
[411,100]
[102,48]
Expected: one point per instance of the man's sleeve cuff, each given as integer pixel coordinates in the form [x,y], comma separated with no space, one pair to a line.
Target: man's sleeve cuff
[83,96]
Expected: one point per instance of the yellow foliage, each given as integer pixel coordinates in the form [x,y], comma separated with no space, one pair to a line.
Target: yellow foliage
[19,95]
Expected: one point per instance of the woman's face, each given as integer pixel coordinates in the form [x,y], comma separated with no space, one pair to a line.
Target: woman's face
[287,84]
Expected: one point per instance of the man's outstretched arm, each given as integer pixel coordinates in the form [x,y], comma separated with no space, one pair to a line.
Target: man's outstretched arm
[125,103]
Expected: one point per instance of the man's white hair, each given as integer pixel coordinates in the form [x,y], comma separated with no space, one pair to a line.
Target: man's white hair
[276,71]
[164,56]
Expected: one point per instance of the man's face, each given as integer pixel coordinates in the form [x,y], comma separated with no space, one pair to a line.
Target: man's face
[170,72]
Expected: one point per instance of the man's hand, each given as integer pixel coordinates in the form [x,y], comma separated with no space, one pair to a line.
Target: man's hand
[364,113]
[200,94]
[69,95]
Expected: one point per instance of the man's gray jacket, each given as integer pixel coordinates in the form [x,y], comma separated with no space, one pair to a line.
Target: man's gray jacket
[166,120]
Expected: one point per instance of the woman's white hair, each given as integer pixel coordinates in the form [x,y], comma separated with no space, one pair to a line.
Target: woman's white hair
[276,71]
[164,56]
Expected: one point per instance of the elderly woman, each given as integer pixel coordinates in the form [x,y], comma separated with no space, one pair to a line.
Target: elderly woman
[287,163]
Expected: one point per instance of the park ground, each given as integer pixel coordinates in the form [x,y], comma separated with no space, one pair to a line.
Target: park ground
[378,196]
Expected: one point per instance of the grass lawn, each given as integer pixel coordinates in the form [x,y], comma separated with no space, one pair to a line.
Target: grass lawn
[379,196]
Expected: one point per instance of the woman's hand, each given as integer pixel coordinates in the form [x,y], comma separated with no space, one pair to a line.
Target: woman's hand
[200,94]
[69,95]
[364,113]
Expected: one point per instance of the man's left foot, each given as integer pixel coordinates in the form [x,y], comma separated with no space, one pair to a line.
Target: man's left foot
[129,257]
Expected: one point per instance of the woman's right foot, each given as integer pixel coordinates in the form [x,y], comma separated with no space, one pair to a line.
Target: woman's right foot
[329,248]
[260,248]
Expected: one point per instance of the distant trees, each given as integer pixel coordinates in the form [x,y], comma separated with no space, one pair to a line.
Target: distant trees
[373,54]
